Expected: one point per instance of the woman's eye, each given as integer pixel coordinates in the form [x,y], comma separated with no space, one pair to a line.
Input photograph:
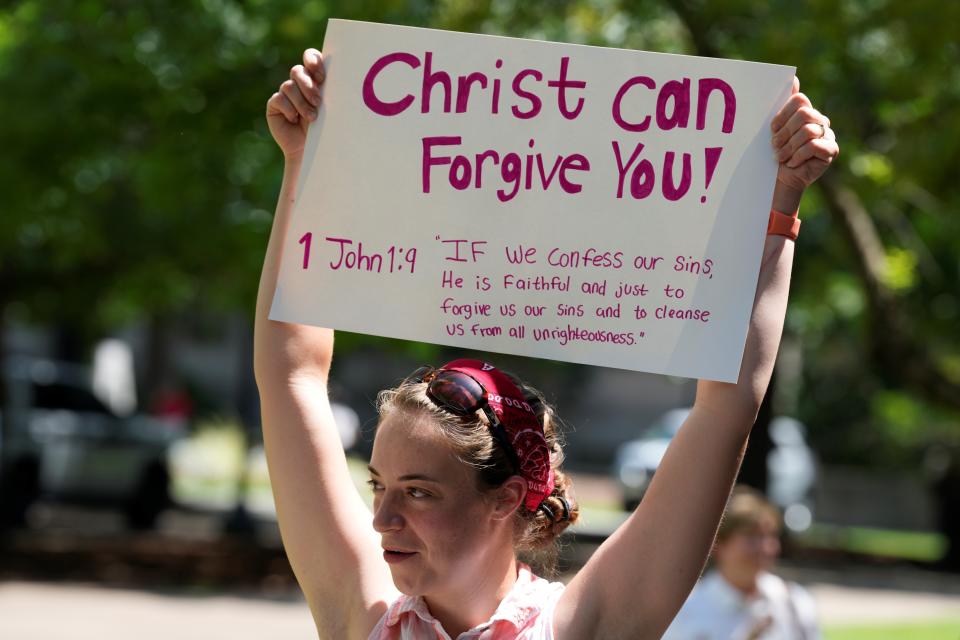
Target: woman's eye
[413,492]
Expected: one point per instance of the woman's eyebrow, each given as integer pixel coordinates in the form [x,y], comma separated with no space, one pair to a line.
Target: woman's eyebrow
[409,476]
[418,476]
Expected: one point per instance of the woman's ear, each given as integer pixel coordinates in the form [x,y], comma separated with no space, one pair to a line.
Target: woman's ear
[508,497]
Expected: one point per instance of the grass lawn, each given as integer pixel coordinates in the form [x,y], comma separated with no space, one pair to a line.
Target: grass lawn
[945,630]
[908,545]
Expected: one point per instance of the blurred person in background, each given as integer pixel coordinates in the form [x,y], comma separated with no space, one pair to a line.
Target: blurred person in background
[739,598]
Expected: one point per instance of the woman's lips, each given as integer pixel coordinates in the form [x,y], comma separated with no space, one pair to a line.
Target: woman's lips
[394,557]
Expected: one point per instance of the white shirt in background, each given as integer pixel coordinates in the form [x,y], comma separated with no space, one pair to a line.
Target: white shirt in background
[716,610]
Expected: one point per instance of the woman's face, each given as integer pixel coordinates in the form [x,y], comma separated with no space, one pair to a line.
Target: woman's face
[751,550]
[436,528]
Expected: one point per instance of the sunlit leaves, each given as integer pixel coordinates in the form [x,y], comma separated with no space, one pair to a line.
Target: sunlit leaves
[874,166]
[901,269]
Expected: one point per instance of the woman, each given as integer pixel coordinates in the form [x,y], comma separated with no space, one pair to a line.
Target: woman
[739,599]
[440,560]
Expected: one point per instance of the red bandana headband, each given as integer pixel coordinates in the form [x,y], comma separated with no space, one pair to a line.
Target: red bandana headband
[519,420]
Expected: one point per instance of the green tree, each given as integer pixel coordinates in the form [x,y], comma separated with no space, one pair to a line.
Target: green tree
[137,176]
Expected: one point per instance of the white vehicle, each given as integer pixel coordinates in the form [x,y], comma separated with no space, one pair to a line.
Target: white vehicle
[791,465]
[59,441]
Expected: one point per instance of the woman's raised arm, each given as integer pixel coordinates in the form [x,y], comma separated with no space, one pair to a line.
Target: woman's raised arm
[639,577]
[324,523]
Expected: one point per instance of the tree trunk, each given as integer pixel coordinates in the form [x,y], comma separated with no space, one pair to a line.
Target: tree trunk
[69,344]
[753,471]
[4,419]
[903,361]
[157,374]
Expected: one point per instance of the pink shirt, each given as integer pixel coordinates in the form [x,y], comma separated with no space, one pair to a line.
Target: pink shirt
[525,614]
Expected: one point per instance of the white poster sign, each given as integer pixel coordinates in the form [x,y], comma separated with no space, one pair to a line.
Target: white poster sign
[577,203]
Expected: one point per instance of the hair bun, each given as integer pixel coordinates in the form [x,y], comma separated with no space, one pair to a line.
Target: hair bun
[552,511]
[547,510]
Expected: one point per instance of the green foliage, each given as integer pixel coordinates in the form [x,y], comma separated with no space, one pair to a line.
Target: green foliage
[143,171]
[889,80]
[138,176]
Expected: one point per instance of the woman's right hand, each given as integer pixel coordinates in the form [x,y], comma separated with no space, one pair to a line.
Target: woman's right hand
[295,105]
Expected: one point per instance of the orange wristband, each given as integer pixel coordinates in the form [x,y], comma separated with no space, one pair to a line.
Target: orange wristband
[783,224]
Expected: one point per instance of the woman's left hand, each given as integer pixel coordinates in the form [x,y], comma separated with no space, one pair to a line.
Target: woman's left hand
[803,143]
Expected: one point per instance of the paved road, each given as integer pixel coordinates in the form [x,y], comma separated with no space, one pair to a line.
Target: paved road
[40,599]
[864,594]
[40,611]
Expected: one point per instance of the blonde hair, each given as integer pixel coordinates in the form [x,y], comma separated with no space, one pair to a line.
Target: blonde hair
[535,533]
[746,509]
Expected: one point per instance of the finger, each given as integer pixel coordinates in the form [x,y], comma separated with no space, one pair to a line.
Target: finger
[802,116]
[790,107]
[306,84]
[279,104]
[807,131]
[313,63]
[796,85]
[290,89]
[821,149]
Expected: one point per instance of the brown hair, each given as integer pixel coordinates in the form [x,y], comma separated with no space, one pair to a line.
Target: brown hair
[535,533]
[746,508]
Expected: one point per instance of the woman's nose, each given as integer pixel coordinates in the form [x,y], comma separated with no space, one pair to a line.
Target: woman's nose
[386,515]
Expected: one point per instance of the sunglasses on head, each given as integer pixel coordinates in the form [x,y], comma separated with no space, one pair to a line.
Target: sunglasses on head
[462,395]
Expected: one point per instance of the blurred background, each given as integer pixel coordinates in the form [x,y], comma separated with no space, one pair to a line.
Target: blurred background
[137,183]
